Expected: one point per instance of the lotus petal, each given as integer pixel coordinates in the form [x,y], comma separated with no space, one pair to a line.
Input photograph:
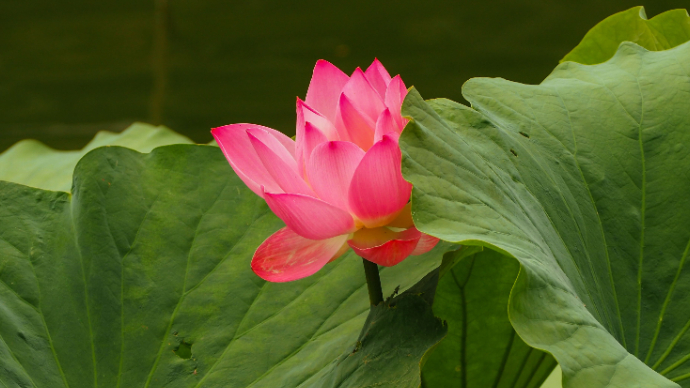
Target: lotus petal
[378,191]
[358,126]
[310,217]
[378,77]
[384,246]
[238,150]
[330,170]
[385,125]
[326,84]
[278,162]
[363,96]
[287,256]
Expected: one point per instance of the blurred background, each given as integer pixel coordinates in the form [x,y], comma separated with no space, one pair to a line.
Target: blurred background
[70,69]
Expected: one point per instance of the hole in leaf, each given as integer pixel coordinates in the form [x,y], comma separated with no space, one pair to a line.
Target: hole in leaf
[184,350]
[524,134]
[513,151]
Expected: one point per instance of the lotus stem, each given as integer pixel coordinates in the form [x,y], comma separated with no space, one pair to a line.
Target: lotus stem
[371,271]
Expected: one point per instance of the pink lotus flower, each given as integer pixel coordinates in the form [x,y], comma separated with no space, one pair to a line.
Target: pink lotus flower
[339,185]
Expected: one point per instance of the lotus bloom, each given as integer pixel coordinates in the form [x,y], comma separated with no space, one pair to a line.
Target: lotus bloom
[339,185]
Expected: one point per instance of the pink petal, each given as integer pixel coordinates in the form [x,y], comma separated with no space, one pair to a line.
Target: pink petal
[238,150]
[278,162]
[305,114]
[425,244]
[325,87]
[330,170]
[307,142]
[273,143]
[363,96]
[383,246]
[378,77]
[310,217]
[386,126]
[360,128]
[378,191]
[312,138]
[395,94]
[286,256]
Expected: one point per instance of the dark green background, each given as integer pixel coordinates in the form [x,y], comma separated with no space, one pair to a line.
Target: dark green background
[69,69]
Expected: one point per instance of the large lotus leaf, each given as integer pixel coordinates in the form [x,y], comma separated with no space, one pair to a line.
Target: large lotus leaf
[662,32]
[32,163]
[490,320]
[481,348]
[141,278]
[585,180]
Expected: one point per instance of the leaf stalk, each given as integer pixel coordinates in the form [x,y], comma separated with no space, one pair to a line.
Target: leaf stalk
[371,272]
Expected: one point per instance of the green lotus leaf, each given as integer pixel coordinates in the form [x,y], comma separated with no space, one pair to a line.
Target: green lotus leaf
[392,344]
[662,32]
[481,348]
[141,278]
[585,180]
[32,163]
